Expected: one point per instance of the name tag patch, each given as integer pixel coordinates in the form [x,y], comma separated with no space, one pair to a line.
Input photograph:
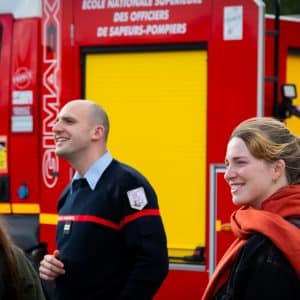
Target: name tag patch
[137,198]
[67,227]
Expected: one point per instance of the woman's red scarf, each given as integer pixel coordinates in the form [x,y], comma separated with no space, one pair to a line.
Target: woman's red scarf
[268,221]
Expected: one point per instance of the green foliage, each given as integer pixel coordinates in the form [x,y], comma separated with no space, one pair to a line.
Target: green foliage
[287,7]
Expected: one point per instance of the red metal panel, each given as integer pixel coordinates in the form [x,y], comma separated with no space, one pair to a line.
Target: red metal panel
[289,37]
[225,207]
[56,79]
[232,90]
[57,87]
[181,285]
[232,76]
[150,21]
[47,234]
[6,23]
[24,149]
[50,101]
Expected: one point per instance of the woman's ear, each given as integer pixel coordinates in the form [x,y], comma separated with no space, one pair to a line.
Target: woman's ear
[279,169]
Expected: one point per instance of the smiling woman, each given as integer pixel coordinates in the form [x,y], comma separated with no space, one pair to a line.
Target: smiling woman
[263,172]
[252,180]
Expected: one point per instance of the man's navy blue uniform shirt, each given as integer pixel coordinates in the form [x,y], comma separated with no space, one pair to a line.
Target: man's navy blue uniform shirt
[110,236]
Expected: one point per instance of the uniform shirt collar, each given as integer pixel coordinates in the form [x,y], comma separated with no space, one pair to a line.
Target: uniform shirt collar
[96,170]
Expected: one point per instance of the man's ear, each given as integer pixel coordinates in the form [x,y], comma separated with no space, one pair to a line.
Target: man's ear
[279,169]
[98,132]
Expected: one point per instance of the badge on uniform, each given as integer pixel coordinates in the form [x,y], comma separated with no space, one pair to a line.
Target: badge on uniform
[137,198]
[67,227]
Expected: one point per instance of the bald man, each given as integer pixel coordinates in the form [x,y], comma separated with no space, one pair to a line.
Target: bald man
[111,242]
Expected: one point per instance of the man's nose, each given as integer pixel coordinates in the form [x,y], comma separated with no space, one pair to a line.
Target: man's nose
[56,127]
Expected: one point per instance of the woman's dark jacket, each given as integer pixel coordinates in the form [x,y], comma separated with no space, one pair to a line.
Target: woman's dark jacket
[261,272]
[31,287]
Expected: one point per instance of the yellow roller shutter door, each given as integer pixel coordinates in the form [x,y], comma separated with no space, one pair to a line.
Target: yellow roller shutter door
[293,76]
[156,102]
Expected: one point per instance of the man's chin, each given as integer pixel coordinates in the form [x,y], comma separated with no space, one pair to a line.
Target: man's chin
[60,153]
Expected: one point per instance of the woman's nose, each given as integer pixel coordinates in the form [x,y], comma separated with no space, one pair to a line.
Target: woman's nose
[229,173]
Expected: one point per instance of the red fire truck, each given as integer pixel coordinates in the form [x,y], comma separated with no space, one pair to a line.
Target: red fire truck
[175,77]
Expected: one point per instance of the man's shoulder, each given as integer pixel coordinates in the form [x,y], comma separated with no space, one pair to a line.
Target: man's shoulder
[119,169]
[126,178]
[62,197]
